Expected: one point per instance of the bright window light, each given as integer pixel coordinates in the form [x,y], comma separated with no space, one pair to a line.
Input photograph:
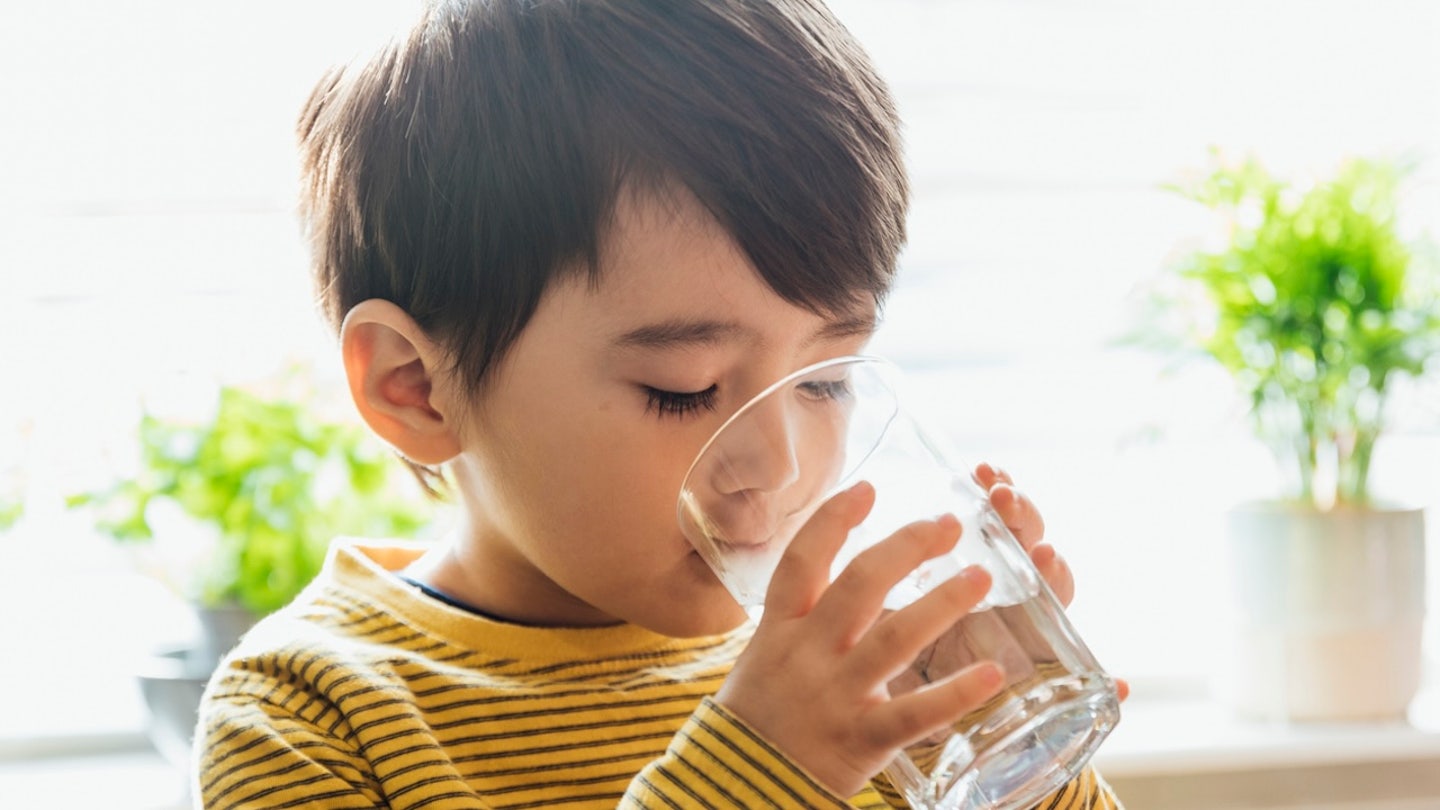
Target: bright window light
[151,251]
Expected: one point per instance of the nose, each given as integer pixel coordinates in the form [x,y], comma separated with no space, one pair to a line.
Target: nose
[757,453]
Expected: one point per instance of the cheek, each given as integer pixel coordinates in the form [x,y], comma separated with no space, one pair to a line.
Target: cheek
[822,454]
[613,480]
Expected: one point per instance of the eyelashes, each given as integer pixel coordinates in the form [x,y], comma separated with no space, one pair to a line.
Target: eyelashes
[827,390]
[679,404]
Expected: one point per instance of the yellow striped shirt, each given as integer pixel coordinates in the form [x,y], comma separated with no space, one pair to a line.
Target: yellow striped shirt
[365,693]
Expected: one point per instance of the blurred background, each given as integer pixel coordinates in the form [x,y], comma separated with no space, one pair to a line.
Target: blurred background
[149,255]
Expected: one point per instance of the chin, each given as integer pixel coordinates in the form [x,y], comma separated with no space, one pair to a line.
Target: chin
[688,602]
[715,617]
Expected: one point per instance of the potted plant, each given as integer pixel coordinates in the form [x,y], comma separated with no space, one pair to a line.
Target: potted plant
[261,487]
[12,508]
[246,502]
[12,488]
[1316,305]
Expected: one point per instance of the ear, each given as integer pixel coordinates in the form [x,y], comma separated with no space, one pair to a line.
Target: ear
[394,372]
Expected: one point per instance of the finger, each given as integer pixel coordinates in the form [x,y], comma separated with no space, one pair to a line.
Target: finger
[913,717]
[854,601]
[1122,688]
[1055,571]
[1019,514]
[893,644]
[804,570]
[987,476]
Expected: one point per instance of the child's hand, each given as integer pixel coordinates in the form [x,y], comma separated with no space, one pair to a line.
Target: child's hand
[1024,521]
[813,679]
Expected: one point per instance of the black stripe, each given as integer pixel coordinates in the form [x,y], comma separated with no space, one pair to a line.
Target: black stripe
[310,798]
[579,745]
[245,800]
[246,771]
[608,798]
[230,757]
[516,752]
[620,777]
[656,792]
[560,711]
[699,686]
[274,735]
[720,763]
[702,775]
[1055,800]
[396,792]
[561,766]
[440,797]
[501,736]
[769,749]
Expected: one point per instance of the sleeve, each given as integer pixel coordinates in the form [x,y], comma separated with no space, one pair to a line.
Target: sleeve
[1088,791]
[716,760]
[252,755]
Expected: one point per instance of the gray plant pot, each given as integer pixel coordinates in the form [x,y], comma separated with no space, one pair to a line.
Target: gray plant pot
[1329,612]
[221,628]
[172,682]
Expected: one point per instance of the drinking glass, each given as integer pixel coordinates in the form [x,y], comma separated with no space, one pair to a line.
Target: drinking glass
[830,425]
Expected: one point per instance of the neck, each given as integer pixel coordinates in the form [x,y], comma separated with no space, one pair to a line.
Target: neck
[474,567]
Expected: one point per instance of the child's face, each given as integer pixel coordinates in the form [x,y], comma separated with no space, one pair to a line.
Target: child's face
[571,462]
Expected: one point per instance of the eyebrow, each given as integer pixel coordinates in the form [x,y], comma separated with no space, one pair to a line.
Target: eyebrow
[852,326]
[682,332]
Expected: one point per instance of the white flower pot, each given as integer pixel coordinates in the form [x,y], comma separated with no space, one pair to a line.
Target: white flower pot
[1328,613]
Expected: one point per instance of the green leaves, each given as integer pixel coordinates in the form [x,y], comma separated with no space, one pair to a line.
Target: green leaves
[275,480]
[11,510]
[1313,304]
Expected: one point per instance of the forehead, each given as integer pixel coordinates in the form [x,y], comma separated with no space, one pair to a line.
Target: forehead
[664,255]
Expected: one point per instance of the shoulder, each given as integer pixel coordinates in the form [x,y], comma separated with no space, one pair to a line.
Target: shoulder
[350,623]
[327,637]
[301,649]
[281,713]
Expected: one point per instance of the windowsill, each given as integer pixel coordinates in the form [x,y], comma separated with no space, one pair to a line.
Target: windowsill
[20,747]
[1179,754]
[1196,735]
[138,779]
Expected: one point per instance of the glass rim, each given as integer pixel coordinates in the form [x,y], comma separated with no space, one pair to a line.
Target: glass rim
[886,367]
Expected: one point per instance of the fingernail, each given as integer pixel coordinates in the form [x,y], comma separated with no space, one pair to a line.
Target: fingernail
[975,574]
[1042,554]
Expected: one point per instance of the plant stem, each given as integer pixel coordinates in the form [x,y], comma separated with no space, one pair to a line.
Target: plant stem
[1355,483]
[1308,456]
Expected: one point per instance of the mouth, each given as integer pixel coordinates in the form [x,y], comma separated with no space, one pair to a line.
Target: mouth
[727,548]
[744,531]
[738,528]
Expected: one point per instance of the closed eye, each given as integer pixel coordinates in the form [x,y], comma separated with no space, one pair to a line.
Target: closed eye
[826,390]
[679,403]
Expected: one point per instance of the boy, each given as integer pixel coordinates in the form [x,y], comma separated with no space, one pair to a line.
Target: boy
[562,240]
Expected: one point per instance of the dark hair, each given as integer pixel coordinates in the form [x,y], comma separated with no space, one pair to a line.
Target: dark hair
[463,169]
